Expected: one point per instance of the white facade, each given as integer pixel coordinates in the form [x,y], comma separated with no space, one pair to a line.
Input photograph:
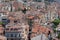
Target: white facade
[40,37]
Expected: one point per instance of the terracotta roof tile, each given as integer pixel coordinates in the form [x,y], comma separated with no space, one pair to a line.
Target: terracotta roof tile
[31,17]
[40,29]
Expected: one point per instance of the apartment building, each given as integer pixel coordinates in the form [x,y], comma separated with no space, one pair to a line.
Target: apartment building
[52,12]
[2,37]
[16,32]
[33,0]
[16,21]
[3,16]
[7,0]
[16,29]
[58,29]
[39,32]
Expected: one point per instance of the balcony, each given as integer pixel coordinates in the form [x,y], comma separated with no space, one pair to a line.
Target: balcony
[13,30]
[14,35]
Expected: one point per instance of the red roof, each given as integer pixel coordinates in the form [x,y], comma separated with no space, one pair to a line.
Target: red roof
[31,17]
[39,29]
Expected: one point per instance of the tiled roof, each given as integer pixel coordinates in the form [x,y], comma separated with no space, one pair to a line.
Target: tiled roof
[18,5]
[39,29]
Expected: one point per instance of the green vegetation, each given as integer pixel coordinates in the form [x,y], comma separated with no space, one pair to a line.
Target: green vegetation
[56,22]
[59,36]
[54,30]
[30,22]
[24,11]
[1,23]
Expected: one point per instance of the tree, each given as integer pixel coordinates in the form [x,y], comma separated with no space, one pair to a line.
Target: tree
[59,36]
[1,23]
[24,11]
[56,22]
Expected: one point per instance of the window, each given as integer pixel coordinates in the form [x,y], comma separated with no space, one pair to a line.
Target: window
[19,35]
[5,21]
[15,21]
[8,21]
[6,34]
[37,0]
[26,29]
[25,0]
[15,35]
[15,29]
[21,28]
[49,0]
[11,28]
[11,35]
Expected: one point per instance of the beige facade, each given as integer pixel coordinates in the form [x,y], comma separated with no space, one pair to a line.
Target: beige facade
[3,38]
[17,32]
